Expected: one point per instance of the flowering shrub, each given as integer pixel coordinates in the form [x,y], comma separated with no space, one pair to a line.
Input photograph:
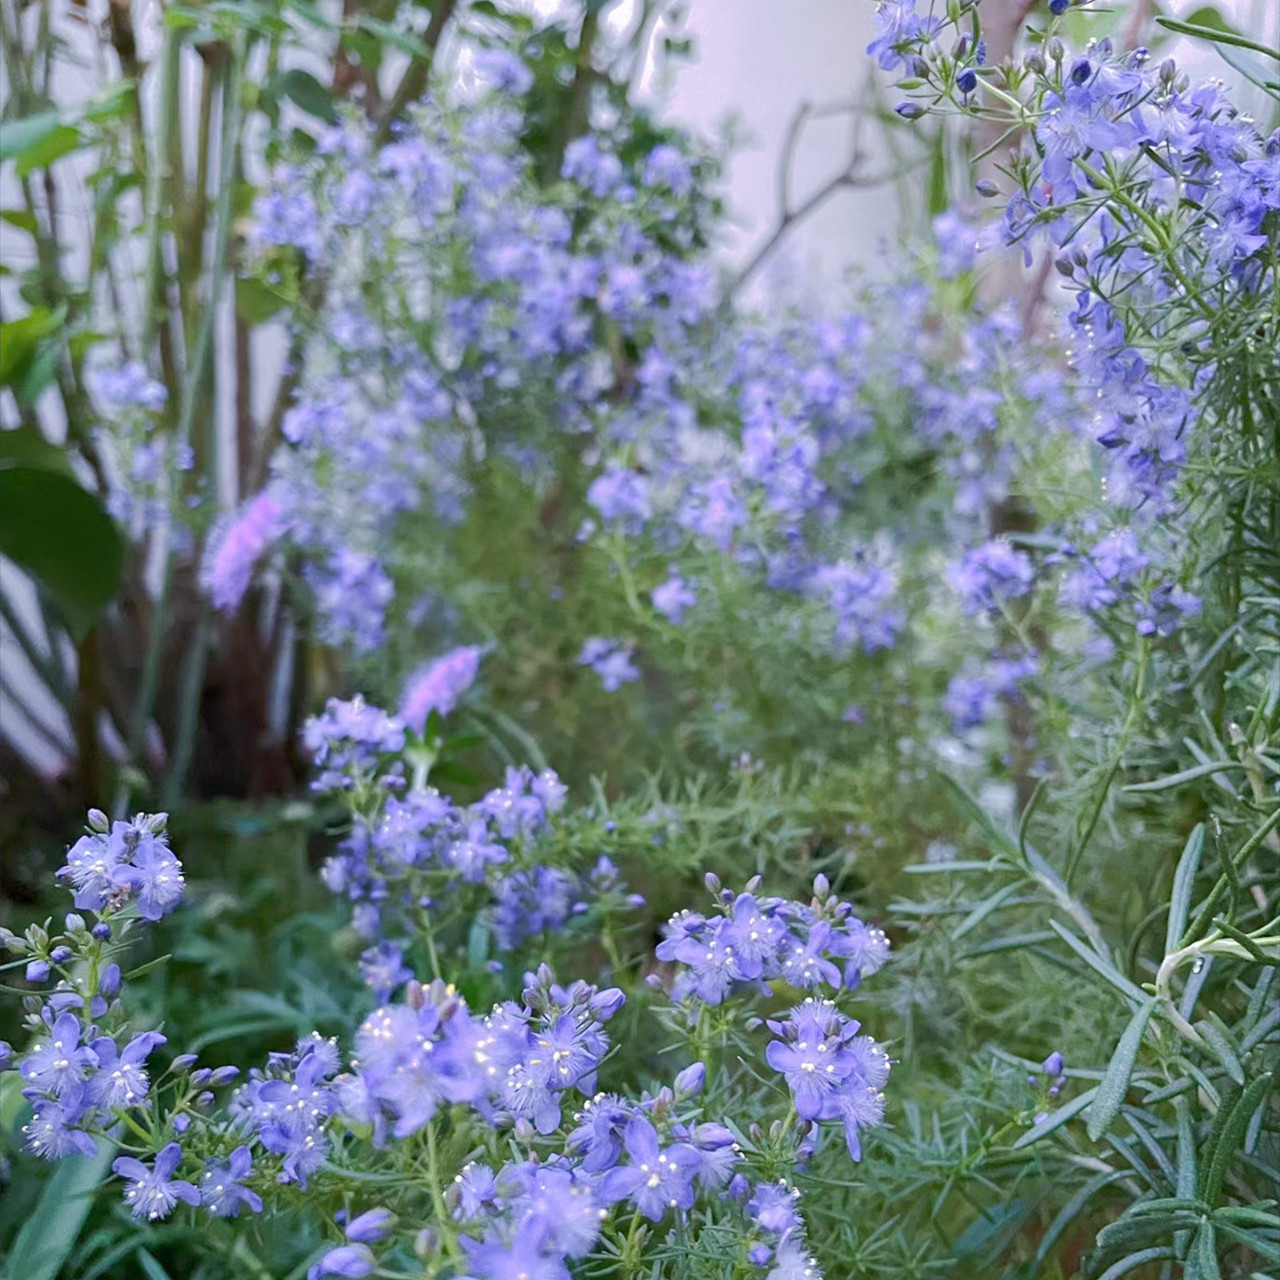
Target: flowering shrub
[954,597]
[513,1155]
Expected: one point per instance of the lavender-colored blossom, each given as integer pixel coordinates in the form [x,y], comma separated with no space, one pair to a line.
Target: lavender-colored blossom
[990,575]
[655,1178]
[439,685]
[128,386]
[673,597]
[153,1192]
[611,660]
[236,547]
[221,1185]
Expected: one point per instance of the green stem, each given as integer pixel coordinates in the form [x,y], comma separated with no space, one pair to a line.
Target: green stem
[1131,720]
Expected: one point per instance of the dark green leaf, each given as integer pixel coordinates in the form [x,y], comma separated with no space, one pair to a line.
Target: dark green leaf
[1233,1119]
[27,447]
[55,531]
[256,303]
[20,339]
[305,92]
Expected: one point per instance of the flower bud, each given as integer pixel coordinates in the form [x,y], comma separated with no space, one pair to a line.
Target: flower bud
[184,1061]
[101,931]
[1035,63]
[688,1084]
[1056,50]
[604,1004]
[99,822]
[37,970]
[109,982]
[424,1243]
[74,923]
[1052,1065]
[712,881]
[985,187]
[909,110]
[1064,266]
[1168,71]
[350,1261]
[181,1123]
[370,1227]
[61,954]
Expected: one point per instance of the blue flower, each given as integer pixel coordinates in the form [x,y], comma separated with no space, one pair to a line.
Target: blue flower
[59,1063]
[655,1179]
[221,1191]
[153,1193]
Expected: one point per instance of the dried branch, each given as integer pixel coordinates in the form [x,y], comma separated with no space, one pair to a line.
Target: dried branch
[791,215]
[413,84]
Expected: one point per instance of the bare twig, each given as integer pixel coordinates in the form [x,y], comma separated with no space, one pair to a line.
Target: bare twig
[413,83]
[790,215]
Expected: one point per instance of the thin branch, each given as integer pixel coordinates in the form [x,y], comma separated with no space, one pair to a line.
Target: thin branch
[413,84]
[790,215]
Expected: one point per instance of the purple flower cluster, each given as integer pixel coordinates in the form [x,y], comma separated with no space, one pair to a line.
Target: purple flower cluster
[989,576]
[284,1108]
[125,861]
[412,849]
[76,1078]
[754,940]
[518,1063]
[833,1072]
[501,296]
[235,548]
[438,686]
[611,660]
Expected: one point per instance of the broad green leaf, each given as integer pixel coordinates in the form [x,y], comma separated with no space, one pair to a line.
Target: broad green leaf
[1115,1084]
[52,146]
[27,447]
[61,535]
[305,92]
[20,341]
[47,1238]
[23,219]
[256,303]
[19,136]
